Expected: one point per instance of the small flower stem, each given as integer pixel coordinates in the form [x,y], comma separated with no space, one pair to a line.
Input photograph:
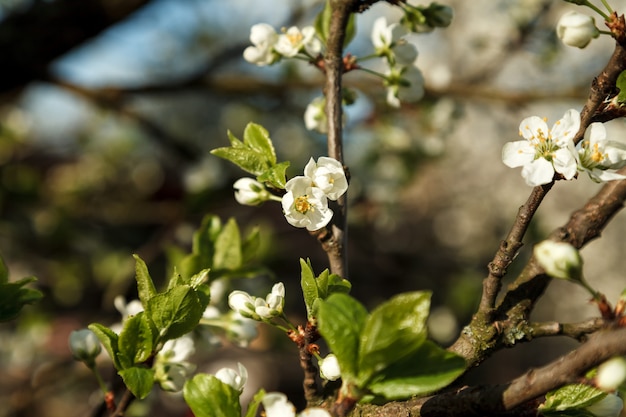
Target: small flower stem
[99,378]
[273,197]
[377,74]
[607,5]
[597,10]
[367,58]
[605,32]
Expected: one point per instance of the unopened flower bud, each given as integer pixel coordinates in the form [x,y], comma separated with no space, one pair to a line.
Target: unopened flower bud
[85,346]
[329,368]
[609,406]
[559,259]
[235,379]
[576,29]
[611,374]
[250,192]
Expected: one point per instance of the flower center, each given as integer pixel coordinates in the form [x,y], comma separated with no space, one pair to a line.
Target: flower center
[302,204]
[295,38]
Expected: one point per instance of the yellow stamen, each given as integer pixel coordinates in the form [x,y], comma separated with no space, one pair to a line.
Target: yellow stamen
[302,204]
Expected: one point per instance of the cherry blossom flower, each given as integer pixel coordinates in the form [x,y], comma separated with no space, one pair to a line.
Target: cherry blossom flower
[598,156]
[264,39]
[293,41]
[611,374]
[171,368]
[544,151]
[404,84]
[328,175]
[235,379]
[315,115]
[305,205]
[388,42]
[257,308]
[85,346]
[576,29]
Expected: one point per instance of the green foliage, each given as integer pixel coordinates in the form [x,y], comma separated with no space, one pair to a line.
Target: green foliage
[386,352]
[255,155]
[167,315]
[222,249]
[139,380]
[322,25]
[320,287]
[207,396]
[571,401]
[14,295]
[254,404]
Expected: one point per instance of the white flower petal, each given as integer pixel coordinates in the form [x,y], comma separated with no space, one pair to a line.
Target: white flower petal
[277,405]
[538,172]
[518,153]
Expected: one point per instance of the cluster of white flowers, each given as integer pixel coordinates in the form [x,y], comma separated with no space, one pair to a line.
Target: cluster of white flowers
[268,46]
[404,80]
[257,308]
[545,151]
[306,202]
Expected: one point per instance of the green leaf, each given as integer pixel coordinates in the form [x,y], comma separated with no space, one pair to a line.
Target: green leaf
[257,138]
[250,245]
[621,84]
[253,407]
[309,286]
[175,312]
[573,397]
[322,22]
[341,320]
[138,380]
[136,341]
[276,175]
[350,30]
[338,284]
[109,340]
[426,370]
[203,247]
[207,396]
[246,159]
[394,330]
[228,247]
[14,296]
[145,286]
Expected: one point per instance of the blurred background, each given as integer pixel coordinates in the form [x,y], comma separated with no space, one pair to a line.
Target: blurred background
[108,111]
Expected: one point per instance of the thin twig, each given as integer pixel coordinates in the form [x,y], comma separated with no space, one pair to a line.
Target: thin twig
[579,331]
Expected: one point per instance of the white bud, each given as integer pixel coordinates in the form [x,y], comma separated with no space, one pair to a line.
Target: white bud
[329,368]
[609,406]
[85,346]
[250,192]
[559,259]
[235,379]
[576,29]
[611,374]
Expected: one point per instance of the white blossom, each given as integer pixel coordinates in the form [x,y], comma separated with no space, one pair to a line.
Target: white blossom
[388,42]
[611,374]
[171,368]
[293,41]
[235,379]
[576,29]
[598,156]
[263,38]
[404,84]
[544,151]
[177,350]
[559,259]
[328,175]
[305,205]
[242,303]
[315,115]
[276,404]
[329,368]
[250,192]
[274,302]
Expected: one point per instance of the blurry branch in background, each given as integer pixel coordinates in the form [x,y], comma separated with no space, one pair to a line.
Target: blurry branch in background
[30,39]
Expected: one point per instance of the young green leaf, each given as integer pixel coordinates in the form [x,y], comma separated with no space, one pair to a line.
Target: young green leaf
[341,320]
[228,247]
[136,340]
[309,286]
[207,396]
[14,296]
[175,312]
[250,245]
[573,397]
[257,138]
[322,22]
[394,330]
[109,340]
[426,370]
[276,175]
[138,380]
[145,286]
